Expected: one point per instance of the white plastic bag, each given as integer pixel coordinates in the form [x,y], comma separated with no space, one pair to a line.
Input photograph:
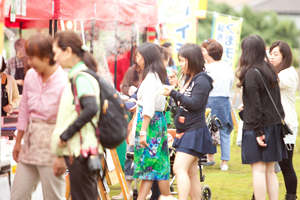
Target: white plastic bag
[240,134]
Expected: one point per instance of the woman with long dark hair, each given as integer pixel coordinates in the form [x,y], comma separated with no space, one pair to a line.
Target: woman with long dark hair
[281,57]
[193,139]
[151,153]
[262,144]
[77,130]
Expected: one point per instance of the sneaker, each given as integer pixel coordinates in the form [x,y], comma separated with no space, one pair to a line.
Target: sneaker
[209,163]
[224,167]
[149,195]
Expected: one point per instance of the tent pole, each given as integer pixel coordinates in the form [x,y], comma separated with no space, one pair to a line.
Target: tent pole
[55,26]
[50,26]
[20,30]
[145,35]
[116,54]
[92,36]
[131,51]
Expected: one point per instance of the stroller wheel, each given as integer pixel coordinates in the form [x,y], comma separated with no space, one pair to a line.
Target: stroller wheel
[206,193]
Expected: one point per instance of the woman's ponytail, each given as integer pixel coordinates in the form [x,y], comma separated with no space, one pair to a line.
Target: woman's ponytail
[90,61]
[71,39]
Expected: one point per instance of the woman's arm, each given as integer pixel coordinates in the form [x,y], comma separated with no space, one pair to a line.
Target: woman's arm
[23,116]
[89,109]
[200,92]
[252,88]
[88,104]
[15,95]
[287,80]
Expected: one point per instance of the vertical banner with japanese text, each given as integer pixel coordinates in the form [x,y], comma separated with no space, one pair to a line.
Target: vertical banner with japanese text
[179,18]
[227,31]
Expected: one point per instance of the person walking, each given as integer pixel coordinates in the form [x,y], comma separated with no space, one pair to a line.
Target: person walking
[43,87]
[281,57]
[262,144]
[193,138]
[75,133]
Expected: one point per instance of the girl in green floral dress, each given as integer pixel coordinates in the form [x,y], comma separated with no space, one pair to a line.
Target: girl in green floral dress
[151,154]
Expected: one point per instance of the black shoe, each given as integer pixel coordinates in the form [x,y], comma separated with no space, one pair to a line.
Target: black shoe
[290,197]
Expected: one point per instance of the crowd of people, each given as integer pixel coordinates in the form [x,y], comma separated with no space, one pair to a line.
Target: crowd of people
[48,112]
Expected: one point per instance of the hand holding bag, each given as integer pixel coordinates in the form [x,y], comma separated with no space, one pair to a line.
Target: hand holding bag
[286,130]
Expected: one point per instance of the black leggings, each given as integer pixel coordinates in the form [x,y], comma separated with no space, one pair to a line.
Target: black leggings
[287,168]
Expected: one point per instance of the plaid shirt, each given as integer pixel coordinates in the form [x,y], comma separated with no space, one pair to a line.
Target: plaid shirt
[12,64]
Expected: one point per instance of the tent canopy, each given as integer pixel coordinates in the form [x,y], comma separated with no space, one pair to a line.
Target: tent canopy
[143,12]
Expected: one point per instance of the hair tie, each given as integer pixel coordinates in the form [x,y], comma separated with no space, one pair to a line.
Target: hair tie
[84,48]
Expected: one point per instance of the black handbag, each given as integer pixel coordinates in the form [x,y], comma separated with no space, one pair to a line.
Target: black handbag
[285,130]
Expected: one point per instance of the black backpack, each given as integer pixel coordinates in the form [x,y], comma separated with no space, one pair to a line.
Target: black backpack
[112,123]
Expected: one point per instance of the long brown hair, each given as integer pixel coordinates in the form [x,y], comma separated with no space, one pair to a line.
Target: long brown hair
[253,56]
[153,60]
[71,39]
[286,52]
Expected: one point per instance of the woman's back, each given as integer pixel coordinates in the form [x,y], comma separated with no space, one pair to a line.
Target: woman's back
[258,108]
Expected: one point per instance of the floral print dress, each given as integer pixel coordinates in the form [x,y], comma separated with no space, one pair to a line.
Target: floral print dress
[153,162]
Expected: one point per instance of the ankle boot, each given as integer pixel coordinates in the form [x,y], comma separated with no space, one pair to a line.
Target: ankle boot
[290,197]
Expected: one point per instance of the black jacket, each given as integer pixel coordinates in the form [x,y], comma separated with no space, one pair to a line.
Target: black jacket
[259,111]
[192,103]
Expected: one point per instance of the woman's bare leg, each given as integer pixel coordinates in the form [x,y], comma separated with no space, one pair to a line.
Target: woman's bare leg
[181,167]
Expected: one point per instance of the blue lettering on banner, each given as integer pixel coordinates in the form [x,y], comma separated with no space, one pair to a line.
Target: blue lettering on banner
[187,11]
[183,30]
[228,27]
[220,27]
[229,52]
[178,46]
[219,37]
[229,40]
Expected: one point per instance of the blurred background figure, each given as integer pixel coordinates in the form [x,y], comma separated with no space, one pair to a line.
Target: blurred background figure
[10,98]
[17,65]
[171,64]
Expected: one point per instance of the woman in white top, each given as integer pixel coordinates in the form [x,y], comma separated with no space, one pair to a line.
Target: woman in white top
[281,58]
[218,100]
[151,153]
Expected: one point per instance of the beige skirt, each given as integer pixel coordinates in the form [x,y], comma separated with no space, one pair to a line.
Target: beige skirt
[36,149]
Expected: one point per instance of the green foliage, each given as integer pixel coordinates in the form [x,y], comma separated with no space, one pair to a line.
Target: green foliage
[265,24]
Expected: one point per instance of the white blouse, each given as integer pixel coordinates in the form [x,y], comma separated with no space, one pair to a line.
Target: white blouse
[149,97]
[222,74]
[288,83]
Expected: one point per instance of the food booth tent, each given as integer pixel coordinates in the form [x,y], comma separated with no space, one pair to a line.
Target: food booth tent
[46,13]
